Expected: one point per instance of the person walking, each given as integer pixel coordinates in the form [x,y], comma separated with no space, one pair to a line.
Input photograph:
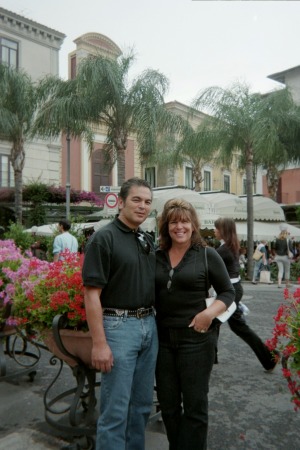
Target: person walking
[64,240]
[187,330]
[119,281]
[259,264]
[225,231]
[282,248]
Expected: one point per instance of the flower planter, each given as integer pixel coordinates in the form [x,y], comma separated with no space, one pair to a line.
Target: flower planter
[76,346]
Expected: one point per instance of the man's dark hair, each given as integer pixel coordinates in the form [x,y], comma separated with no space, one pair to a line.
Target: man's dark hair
[127,185]
[65,224]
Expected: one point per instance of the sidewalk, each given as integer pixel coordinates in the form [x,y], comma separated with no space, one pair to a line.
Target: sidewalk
[249,409]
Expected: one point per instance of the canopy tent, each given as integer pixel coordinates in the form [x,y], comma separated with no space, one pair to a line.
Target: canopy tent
[49,230]
[266,231]
[205,209]
[160,197]
[264,208]
[227,205]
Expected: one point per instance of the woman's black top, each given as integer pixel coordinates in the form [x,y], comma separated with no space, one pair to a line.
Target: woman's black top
[177,305]
[231,260]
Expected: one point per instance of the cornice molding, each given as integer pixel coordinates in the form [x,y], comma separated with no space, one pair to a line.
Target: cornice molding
[96,43]
[26,28]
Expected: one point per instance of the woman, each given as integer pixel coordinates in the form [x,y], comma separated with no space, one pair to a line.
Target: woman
[187,330]
[282,246]
[225,231]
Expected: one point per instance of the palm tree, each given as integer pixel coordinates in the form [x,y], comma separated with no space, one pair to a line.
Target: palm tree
[62,109]
[126,107]
[197,148]
[18,103]
[252,124]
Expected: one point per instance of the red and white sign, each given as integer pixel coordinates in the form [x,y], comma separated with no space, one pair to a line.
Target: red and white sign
[111,200]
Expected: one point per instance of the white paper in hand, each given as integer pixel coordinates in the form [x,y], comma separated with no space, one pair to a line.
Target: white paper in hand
[226,314]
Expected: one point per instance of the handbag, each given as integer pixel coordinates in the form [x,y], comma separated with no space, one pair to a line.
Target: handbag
[209,300]
[257,255]
[290,254]
[265,275]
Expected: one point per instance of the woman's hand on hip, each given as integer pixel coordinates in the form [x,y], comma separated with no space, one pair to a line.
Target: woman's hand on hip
[201,322]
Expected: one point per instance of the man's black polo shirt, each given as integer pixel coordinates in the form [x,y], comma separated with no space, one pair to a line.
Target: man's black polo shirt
[116,262]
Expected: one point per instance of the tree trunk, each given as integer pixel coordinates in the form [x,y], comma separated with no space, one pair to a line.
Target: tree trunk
[197,179]
[273,175]
[249,183]
[120,142]
[121,166]
[18,161]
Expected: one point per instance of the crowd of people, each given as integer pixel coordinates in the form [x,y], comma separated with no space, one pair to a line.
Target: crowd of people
[149,320]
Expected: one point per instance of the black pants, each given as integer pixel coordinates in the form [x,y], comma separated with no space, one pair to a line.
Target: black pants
[239,326]
[184,363]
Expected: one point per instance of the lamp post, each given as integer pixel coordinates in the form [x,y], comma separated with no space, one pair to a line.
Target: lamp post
[68,184]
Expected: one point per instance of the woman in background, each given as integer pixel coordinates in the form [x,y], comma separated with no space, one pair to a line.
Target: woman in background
[225,232]
[282,246]
[187,329]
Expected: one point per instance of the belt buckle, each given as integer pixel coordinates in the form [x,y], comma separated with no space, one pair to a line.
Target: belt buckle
[141,312]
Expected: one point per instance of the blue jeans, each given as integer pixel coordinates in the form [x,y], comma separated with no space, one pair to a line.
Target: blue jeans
[126,394]
[256,271]
[184,364]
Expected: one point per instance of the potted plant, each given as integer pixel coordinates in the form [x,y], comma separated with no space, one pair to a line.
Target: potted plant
[286,339]
[10,260]
[41,290]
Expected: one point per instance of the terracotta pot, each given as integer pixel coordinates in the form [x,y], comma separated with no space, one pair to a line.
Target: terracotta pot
[77,343]
[7,330]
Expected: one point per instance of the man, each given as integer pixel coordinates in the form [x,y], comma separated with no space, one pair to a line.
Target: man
[64,240]
[118,275]
[263,261]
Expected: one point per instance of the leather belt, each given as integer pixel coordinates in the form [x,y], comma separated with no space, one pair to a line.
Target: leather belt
[138,313]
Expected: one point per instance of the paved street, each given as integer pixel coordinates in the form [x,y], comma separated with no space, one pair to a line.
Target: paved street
[249,409]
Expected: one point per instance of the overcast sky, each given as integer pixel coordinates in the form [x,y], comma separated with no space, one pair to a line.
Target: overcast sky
[196,44]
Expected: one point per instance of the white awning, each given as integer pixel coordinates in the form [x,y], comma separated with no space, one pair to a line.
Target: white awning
[49,230]
[201,205]
[227,205]
[266,231]
[264,208]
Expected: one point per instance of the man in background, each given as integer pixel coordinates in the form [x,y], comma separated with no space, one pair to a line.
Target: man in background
[64,240]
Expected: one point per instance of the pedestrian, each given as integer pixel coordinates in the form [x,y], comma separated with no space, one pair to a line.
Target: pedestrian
[187,330]
[259,264]
[225,231]
[243,261]
[119,279]
[64,240]
[282,247]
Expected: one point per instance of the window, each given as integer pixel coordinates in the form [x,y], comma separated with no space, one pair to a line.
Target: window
[6,172]
[189,177]
[150,176]
[244,186]
[9,52]
[227,183]
[101,175]
[207,180]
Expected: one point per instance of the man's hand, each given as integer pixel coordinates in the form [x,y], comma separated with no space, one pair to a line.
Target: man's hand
[102,358]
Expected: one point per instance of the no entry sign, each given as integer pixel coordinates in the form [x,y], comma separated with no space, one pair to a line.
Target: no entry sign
[111,200]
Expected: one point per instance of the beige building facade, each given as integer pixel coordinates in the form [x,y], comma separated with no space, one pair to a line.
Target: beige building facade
[215,177]
[30,46]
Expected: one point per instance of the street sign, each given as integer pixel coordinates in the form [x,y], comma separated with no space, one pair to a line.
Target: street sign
[105,189]
[111,200]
